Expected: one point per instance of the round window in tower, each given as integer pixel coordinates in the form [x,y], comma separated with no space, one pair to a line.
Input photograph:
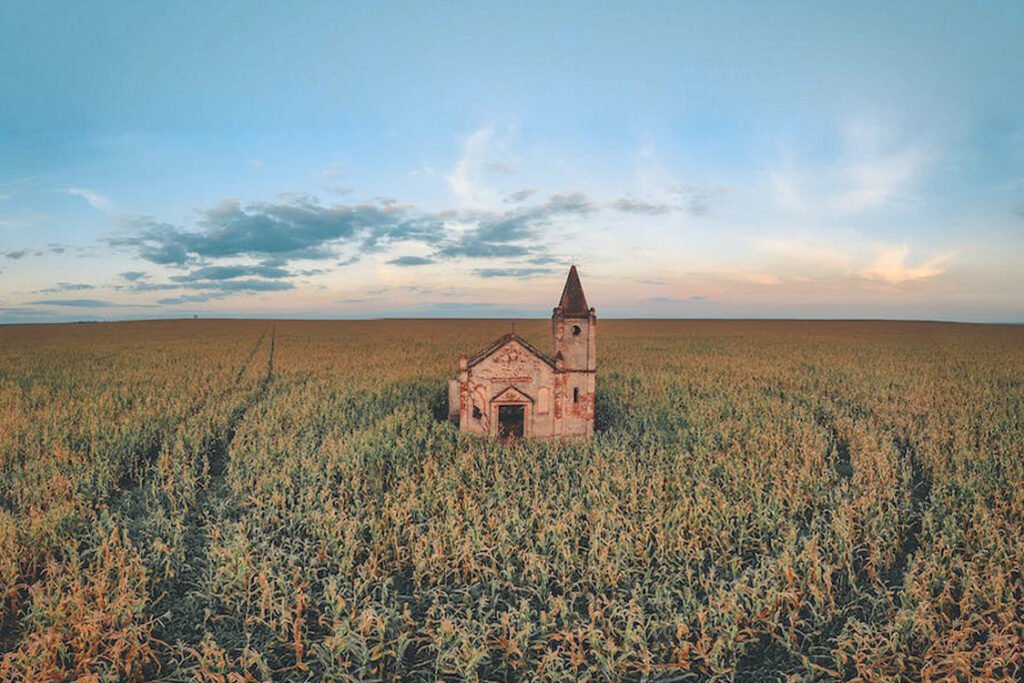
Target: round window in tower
[576,330]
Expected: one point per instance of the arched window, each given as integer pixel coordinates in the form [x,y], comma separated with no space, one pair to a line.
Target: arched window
[575,394]
[576,330]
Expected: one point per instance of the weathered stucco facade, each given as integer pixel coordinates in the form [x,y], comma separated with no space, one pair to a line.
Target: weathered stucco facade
[511,389]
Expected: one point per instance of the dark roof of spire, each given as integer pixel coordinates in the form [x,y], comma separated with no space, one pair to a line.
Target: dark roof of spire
[573,302]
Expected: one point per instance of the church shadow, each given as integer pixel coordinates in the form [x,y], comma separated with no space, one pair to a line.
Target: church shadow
[609,403]
[439,402]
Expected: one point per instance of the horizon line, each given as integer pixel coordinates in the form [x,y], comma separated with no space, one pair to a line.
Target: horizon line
[83,321]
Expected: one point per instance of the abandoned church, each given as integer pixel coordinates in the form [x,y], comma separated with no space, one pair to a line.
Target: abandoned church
[511,389]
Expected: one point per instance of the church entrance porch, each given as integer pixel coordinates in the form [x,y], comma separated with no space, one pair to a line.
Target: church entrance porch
[511,421]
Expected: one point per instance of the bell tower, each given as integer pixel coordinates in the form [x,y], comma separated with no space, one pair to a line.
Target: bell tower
[574,337]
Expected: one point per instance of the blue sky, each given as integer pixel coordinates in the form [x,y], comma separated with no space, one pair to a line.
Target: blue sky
[378,159]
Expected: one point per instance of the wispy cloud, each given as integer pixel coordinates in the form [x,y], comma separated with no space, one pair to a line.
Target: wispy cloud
[787,189]
[499,167]
[66,287]
[698,199]
[75,303]
[8,187]
[16,314]
[95,199]
[207,291]
[424,169]
[516,232]
[191,298]
[693,199]
[465,180]
[520,196]
[511,272]
[849,260]
[802,254]
[696,298]
[890,265]
[411,261]
[628,205]
[237,286]
[876,180]
[332,171]
[874,165]
[264,270]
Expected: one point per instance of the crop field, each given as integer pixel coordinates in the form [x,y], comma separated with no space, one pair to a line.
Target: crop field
[229,501]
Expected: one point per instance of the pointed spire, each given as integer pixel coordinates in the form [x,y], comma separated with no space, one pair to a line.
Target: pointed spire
[573,302]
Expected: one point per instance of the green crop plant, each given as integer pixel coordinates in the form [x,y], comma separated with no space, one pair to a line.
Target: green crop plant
[254,501]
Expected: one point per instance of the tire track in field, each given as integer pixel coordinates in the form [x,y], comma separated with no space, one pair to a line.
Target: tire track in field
[219,457]
[920,499]
[270,356]
[252,354]
[825,410]
[133,474]
[213,504]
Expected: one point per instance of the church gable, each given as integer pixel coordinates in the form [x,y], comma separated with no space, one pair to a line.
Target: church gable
[512,362]
[510,350]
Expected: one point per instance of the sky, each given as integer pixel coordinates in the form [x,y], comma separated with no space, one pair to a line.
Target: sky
[364,160]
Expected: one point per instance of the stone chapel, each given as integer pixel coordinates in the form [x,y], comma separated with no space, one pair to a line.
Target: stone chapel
[511,389]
